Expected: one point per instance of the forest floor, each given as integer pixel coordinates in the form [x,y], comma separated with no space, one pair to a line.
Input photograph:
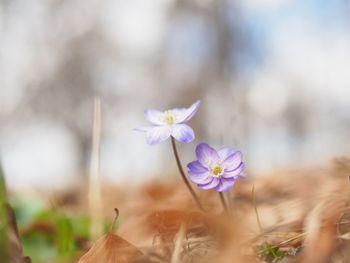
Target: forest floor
[296,215]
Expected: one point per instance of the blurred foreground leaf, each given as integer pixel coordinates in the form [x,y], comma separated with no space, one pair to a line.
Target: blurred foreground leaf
[4,226]
[10,243]
[65,236]
[111,249]
[52,236]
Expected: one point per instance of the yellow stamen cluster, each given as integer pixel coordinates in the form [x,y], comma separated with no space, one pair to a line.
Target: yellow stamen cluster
[169,119]
[217,170]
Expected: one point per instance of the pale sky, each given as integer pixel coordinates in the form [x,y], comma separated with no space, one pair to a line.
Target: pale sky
[303,42]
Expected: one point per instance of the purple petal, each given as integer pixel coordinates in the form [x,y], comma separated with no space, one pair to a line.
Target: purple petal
[183,114]
[215,181]
[241,175]
[232,161]
[158,134]
[154,116]
[206,155]
[234,173]
[182,133]
[225,152]
[225,184]
[200,178]
[196,167]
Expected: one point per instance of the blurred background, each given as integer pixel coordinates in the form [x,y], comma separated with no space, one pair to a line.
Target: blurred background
[273,78]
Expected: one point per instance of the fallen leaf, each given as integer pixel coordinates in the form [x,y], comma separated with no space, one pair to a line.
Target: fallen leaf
[111,248]
[169,221]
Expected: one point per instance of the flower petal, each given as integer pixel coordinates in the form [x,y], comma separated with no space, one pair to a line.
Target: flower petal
[234,173]
[158,134]
[154,116]
[240,176]
[196,167]
[232,161]
[225,184]
[206,155]
[185,114]
[182,133]
[225,152]
[214,182]
[200,178]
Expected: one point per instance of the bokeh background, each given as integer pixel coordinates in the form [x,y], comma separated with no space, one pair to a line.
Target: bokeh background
[273,78]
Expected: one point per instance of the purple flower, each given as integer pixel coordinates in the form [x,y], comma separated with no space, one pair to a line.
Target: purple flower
[169,123]
[216,169]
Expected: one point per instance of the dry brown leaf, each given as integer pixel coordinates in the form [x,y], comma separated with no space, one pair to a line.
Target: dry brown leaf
[321,228]
[167,223]
[345,236]
[157,191]
[172,219]
[111,248]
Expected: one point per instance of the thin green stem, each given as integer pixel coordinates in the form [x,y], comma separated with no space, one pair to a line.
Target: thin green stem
[256,209]
[223,201]
[182,173]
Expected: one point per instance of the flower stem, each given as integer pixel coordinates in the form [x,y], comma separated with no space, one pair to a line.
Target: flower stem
[223,201]
[184,178]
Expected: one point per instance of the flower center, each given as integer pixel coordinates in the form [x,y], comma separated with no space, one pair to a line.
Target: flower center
[169,119]
[217,170]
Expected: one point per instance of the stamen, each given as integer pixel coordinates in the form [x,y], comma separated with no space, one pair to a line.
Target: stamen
[169,119]
[217,170]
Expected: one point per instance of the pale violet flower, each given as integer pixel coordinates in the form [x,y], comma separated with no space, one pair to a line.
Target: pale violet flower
[216,169]
[169,123]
